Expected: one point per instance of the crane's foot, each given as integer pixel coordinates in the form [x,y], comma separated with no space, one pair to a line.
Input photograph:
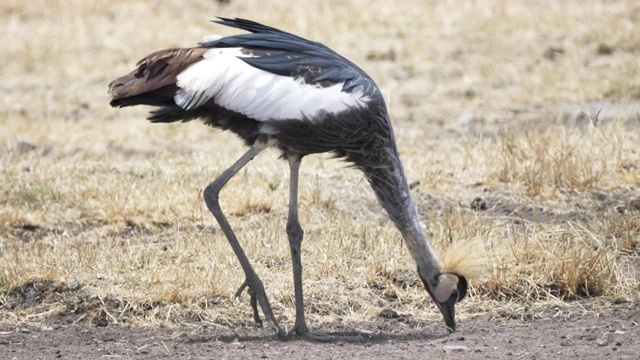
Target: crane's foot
[258,296]
[300,328]
[320,337]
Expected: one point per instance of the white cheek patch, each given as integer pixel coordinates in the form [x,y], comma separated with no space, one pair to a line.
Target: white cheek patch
[258,94]
[446,286]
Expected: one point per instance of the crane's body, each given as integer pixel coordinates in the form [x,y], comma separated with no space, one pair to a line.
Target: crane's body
[273,88]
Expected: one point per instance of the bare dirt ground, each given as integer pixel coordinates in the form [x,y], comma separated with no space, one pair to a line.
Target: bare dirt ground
[589,330]
[518,123]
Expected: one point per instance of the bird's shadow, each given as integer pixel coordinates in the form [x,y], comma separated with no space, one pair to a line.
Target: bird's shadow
[353,337]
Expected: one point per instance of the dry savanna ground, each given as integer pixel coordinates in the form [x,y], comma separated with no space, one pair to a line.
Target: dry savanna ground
[517,122]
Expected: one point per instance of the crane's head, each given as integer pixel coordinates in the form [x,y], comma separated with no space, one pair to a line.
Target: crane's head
[446,290]
[446,279]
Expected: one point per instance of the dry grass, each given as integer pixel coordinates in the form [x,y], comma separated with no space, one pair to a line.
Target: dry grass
[553,161]
[101,213]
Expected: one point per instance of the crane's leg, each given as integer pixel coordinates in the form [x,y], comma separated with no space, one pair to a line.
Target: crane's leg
[252,281]
[295,234]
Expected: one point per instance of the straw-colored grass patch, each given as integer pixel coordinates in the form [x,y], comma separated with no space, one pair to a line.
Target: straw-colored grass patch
[102,217]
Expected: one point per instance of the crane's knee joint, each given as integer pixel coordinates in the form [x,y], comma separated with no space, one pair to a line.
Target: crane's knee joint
[211,193]
[295,232]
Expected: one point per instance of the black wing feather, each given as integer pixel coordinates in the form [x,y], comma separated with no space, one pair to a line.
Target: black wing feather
[286,54]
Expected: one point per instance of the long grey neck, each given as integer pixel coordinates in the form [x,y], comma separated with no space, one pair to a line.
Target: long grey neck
[390,185]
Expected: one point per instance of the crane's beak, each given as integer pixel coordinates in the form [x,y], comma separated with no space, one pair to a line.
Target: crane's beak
[448,310]
[446,290]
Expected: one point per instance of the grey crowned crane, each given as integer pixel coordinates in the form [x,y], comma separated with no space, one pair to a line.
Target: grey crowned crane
[276,89]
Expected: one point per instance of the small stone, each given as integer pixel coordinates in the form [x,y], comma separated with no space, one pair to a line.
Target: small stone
[629,166]
[143,349]
[605,49]
[236,342]
[620,300]
[478,204]
[605,339]
[454,348]
[26,145]
[25,331]
[565,342]
[389,314]
[74,285]
[553,53]
[101,321]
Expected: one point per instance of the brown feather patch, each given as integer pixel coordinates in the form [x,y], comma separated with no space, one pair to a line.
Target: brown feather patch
[155,71]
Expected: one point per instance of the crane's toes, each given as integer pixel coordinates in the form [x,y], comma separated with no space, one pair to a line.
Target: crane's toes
[298,329]
[244,285]
[258,296]
[320,337]
[253,301]
[254,306]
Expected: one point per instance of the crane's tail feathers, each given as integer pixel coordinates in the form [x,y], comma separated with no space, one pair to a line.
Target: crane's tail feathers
[153,82]
[466,258]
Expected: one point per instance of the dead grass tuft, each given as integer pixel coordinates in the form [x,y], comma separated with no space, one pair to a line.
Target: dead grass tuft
[545,161]
[249,207]
[561,263]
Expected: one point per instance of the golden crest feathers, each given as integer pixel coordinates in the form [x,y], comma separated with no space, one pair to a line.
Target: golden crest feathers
[467,258]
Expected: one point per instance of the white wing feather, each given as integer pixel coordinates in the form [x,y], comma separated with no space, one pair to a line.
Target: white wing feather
[257,94]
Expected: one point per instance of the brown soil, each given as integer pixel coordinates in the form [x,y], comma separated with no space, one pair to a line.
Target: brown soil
[590,330]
